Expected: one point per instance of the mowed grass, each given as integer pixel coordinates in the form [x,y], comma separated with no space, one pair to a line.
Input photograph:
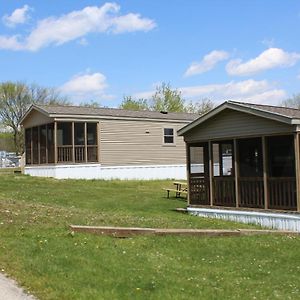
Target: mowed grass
[39,251]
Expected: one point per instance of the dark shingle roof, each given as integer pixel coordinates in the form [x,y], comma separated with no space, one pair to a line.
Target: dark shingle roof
[284,111]
[114,112]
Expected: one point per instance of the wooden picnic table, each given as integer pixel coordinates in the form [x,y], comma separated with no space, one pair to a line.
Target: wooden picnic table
[180,188]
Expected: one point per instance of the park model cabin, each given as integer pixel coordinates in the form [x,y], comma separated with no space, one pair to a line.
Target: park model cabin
[104,143]
[244,155]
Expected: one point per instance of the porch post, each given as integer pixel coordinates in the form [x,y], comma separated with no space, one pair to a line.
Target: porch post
[297,168]
[236,174]
[39,145]
[73,143]
[98,140]
[31,147]
[211,169]
[265,172]
[85,142]
[188,164]
[55,142]
[46,143]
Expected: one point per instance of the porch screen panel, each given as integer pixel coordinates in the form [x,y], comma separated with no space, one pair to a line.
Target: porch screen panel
[50,143]
[282,178]
[64,142]
[35,145]
[43,143]
[79,142]
[92,149]
[28,146]
[251,182]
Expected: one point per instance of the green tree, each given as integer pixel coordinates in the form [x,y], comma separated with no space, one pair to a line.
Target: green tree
[201,107]
[167,99]
[131,104]
[15,99]
[293,102]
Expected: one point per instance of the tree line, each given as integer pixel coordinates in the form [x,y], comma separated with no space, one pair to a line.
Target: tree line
[16,97]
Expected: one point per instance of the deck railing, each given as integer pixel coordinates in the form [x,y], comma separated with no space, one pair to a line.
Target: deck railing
[65,153]
[224,191]
[251,192]
[79,153]
[282,193]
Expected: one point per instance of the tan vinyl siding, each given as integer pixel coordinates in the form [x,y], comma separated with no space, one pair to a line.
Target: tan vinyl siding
[230,123]
[128,143]
[36,118]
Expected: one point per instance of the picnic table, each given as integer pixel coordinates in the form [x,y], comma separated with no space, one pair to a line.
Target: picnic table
[179,189]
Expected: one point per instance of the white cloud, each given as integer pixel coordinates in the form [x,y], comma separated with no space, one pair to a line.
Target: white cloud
[18,16]
[208,62]
[248,90]
[77,24]
[86,86]
[269,59]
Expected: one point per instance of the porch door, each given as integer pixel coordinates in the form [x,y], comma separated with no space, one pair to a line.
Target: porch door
[198,168]
[251,181]
[223,173]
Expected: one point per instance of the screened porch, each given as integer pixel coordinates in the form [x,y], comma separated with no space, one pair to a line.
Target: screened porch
[258,172]
[62,142]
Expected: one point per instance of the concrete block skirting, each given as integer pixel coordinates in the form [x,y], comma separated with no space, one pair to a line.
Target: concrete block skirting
[281,221]
[96,171]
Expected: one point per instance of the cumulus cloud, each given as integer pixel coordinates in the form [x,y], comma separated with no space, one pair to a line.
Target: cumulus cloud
[86,86]
[18,16]
[247,90]
[269,59]
[208,62]
[77,24]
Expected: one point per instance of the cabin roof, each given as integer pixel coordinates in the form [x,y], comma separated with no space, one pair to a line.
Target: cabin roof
[54,111]
[285,115]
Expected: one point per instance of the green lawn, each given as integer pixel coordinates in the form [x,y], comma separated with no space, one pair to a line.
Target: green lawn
[37,249]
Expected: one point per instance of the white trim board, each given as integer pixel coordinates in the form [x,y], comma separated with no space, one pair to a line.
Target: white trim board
[96,171]
[281,221]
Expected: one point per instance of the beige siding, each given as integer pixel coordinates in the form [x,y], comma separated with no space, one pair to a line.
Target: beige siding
[230,123]
[128,143]
[36,118]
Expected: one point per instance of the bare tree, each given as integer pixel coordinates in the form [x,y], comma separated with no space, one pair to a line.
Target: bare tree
[201,107]
[293,102]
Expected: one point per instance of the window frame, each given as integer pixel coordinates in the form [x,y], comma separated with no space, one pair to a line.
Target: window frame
[167,135]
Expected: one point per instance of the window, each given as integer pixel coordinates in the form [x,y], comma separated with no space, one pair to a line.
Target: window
[169,136]
[223,158]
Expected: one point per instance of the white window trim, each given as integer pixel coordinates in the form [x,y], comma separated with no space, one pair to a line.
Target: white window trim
[174,136]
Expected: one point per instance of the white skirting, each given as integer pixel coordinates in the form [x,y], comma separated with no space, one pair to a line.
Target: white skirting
[281,221]
[96,171]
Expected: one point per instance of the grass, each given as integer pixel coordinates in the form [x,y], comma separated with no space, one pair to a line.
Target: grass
[37,249]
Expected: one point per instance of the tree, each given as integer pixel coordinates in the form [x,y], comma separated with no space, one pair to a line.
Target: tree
[293,102]
[201,107]
[92,103]
[167,99]
[15,99]
[131,104]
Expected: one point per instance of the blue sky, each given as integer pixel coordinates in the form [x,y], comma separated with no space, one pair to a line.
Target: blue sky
[95,50]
